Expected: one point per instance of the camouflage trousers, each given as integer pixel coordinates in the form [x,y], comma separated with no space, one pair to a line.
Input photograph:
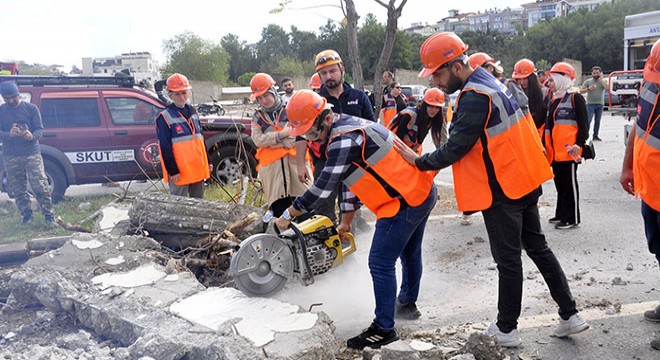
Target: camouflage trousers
[22,170]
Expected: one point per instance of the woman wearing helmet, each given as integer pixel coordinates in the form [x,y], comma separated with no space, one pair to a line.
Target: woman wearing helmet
[413,123]
[566,131]
[524,73]
[276,151]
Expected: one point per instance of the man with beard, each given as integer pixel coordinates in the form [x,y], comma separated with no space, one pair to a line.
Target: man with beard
[287,86]
[344,99]
[595,87]
[498,166]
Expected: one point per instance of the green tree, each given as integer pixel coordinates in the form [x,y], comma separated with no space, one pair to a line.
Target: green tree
[241,57]
[196,58]
[274,44]
[244,79]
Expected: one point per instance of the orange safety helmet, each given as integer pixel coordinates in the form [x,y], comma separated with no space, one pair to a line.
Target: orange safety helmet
[303,109]
[260,83]
[177,82]
[563,68]
[652,65]
[315,81]
[327,58]
[440,49]
[479,59]
[434,97]
[523,69]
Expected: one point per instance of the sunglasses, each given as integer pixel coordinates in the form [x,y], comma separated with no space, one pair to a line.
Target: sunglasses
[325,58]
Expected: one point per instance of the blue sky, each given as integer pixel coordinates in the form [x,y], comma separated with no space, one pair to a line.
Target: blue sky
[64,31]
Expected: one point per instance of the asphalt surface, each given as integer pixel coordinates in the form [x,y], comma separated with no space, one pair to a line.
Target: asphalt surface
[611,273]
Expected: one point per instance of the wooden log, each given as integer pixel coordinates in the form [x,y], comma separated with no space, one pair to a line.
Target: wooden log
[174,216]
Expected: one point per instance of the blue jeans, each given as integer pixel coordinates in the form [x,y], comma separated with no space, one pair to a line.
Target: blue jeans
[398,237]
[514,225]
[652,229]
[595,111]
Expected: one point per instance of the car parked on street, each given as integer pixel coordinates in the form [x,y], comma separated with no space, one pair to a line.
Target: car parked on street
[414,93]
[101,129]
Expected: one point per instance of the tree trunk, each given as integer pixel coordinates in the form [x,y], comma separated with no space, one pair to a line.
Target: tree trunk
[393,15]
[183,221]
[352,42]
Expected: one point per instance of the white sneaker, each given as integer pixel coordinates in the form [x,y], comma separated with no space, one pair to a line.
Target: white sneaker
[466,220]
[511,339]
[575,324]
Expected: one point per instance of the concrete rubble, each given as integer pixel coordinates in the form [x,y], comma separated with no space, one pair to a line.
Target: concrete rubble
[110,295]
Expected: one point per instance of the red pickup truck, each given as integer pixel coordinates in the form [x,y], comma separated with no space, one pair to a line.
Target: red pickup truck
[100,129]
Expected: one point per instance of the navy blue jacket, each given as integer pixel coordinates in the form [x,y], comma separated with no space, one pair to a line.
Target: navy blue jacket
[351,102]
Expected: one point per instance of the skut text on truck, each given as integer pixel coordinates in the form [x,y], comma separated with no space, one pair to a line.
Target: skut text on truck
[101,129]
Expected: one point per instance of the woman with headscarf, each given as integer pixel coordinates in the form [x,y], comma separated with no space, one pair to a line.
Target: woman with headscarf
[276,153]
[566,131]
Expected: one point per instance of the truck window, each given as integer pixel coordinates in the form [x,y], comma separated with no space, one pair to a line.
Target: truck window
[131,111]
[68,113]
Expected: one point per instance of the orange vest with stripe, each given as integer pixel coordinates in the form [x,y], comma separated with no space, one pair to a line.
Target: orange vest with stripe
[646,155]
[267,156]
[564,130]
[412,134]
[512,144]
[188,148]
[389,109]
[382,180]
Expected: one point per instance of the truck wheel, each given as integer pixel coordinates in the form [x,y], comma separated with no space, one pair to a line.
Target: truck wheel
[57,182]
[229,166]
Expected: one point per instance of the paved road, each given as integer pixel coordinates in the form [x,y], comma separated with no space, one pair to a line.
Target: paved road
[605,258]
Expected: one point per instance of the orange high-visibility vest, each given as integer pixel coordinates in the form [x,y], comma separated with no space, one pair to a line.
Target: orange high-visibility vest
[512,144]
[188,148]
[383,180]
[646,155]
[564,130]
[267,156]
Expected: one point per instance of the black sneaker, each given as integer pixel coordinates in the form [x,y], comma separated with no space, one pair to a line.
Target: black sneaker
[596,138]
[27,218]
[653,315]
[554,220]
[565,225]
[407,312]
[372,337]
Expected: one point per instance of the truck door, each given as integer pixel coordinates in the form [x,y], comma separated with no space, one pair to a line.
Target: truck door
[73,124]
[133,132]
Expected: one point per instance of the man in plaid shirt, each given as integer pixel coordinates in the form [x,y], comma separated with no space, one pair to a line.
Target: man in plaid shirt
[361,155]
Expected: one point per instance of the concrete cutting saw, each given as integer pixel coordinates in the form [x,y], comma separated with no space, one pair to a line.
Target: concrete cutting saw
[265,262]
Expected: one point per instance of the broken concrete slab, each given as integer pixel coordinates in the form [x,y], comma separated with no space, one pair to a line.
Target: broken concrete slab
[113,286]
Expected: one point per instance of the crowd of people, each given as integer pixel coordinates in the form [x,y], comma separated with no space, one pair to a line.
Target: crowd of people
[323,151]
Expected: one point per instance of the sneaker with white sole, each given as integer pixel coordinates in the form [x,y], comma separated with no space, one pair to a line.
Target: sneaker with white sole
[466,219]
[372,337]
[510,339]
[575,324]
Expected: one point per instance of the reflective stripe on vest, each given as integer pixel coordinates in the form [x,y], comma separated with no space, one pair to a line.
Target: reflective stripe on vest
[389,109]
[564,130]
[646,158]
[383,179]
[267,156]
[188,148]
[513,146]
[412,134]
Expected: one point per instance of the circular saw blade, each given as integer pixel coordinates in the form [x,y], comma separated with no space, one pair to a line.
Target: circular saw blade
[262,265]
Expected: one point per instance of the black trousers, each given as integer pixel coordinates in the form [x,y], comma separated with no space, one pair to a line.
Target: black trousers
[568,192]
[514,225]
